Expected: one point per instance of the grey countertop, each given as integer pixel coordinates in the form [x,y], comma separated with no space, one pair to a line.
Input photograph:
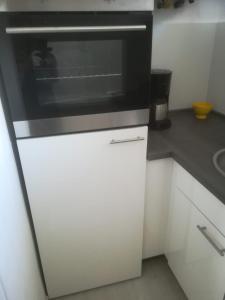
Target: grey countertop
[192,143]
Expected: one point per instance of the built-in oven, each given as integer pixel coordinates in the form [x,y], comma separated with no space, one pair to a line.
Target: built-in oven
[75,71]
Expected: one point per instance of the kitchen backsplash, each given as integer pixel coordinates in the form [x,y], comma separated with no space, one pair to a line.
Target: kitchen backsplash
[216,87]
[189,42]
[187,50]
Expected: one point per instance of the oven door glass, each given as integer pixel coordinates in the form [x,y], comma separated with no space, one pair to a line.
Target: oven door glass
[63,74]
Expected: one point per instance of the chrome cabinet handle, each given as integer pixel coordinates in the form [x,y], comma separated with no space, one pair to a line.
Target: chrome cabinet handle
[137,139]
[23,30]
[203,230]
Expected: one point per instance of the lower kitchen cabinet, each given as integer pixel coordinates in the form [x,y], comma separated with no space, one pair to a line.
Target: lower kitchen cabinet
[178,225]
[204,271]
[195,246]
[86,193]
[158,186]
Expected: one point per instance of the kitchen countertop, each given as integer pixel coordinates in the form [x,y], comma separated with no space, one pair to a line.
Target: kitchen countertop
[192,143]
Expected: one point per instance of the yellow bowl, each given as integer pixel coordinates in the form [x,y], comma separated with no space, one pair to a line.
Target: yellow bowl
[202,109]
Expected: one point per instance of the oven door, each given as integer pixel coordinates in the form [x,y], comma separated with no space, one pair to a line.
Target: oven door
[67,78]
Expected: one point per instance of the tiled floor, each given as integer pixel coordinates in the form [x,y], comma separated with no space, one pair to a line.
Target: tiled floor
[157,283]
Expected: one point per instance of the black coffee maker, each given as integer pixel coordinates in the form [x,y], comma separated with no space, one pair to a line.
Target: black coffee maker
[160,89]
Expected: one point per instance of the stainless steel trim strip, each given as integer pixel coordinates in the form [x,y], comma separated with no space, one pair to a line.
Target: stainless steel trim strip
[75,5]
[33,30]
[137,139]
[52,126]
[203,230]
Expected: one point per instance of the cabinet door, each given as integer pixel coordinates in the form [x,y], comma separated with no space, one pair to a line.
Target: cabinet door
[193,251]
[86,194]
[178,227]
[158,184]
[204,264]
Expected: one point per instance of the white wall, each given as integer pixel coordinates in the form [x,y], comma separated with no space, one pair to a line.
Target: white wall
[183,41]
[19,273]
[202,11]
[216,88]
[186,49]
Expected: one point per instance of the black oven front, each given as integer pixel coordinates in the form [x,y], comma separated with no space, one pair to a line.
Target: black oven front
[72,72]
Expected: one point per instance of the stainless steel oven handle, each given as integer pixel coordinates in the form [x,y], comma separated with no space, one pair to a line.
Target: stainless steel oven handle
[203,230]
[137,139]
[33,30]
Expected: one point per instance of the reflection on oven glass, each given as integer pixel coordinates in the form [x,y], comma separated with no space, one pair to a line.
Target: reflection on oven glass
[78,72]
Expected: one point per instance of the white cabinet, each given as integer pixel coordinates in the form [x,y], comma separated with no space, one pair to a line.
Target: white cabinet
[87,201]
[194,244]
[204,265]
[158,184]
[179,221]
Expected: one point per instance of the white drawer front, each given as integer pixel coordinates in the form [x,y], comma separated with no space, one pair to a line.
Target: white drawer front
[203,275]
[210,206]
[195,251]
